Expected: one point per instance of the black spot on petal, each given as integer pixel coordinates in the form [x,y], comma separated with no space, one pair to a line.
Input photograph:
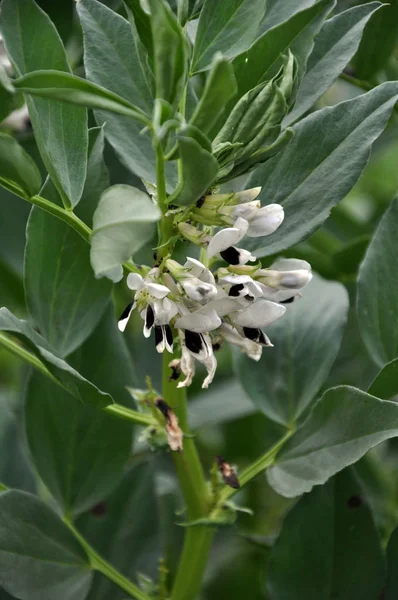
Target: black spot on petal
[235,289]
[126,312]
[158,335]
[288,301]
[251,333]
[149,317]
[200,202]
[231,255]
[169,335]
[193,341]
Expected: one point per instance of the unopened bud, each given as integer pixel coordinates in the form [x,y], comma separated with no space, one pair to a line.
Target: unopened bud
[193,234]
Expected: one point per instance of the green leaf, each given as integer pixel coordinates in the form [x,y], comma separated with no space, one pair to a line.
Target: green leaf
[40,558]
[306,341]
[350,255]
[199,170]
[377,290]
[171,53]
[391,592]
[335,45]
[129,518]
[379,40]
[228,27]
[78,451]
[77,385]
[328,547]
[277,12]
[321,164]
[62,294]
[15,470]
[18,172]
[123,222]
[385,384]
[142,26]
[220,88]
[344,424]
[209,408]
[69,88]
[111,60]
[263,59]
[33,44]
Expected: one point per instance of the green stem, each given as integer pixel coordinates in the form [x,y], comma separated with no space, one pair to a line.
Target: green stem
[101,565]
[364,85]
[67,216]
[257,467]
[196,494]
[166,223]
[114,409]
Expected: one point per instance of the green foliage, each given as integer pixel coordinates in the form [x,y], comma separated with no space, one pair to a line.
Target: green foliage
[228,132]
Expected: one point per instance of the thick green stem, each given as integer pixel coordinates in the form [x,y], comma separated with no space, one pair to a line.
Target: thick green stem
[196,494]
[166,231]
[101,565]
[117,410]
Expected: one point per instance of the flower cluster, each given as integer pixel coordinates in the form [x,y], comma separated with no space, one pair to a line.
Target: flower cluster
[197,308]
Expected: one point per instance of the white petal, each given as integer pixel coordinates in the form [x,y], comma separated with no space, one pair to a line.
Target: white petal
[198,269]
[198,290]
[290,264]
[245,256]
[253,286]
[135,281]
[248,195]
[248,210]
[266,221]
[124,319]
[157,290]
[229,236]
[259,314]
[211,367]
[224,306]
[187,367]
[164,311]
[199,322]
[252,349]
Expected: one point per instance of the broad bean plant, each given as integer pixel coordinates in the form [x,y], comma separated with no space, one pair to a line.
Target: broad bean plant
[181,161]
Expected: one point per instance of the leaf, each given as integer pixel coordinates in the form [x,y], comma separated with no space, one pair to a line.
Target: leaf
[328,547]
[40,558]
[199,170]
[263,59]
[350,255]
[378,42]
[210,408]
[18,172]
[123,222]
[128,518]
[377,295]
[142,26]
[228,27]
[334,46]
[69,88]
[171,53]
[385,384]
[321,164]
[288,377]
[78,386]
[78,451]
[14,214]
[15,470]
[277,12]
[33,43]
[391,591]
[62,294]
[111,61]
[220,88]
[344,424]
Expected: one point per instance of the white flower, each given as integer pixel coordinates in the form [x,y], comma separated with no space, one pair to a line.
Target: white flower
[249,347]
[285,279]
[242,286]
[259,314]
[224,241]
[197,346]
[157,312]
[196,280]
[262,220]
